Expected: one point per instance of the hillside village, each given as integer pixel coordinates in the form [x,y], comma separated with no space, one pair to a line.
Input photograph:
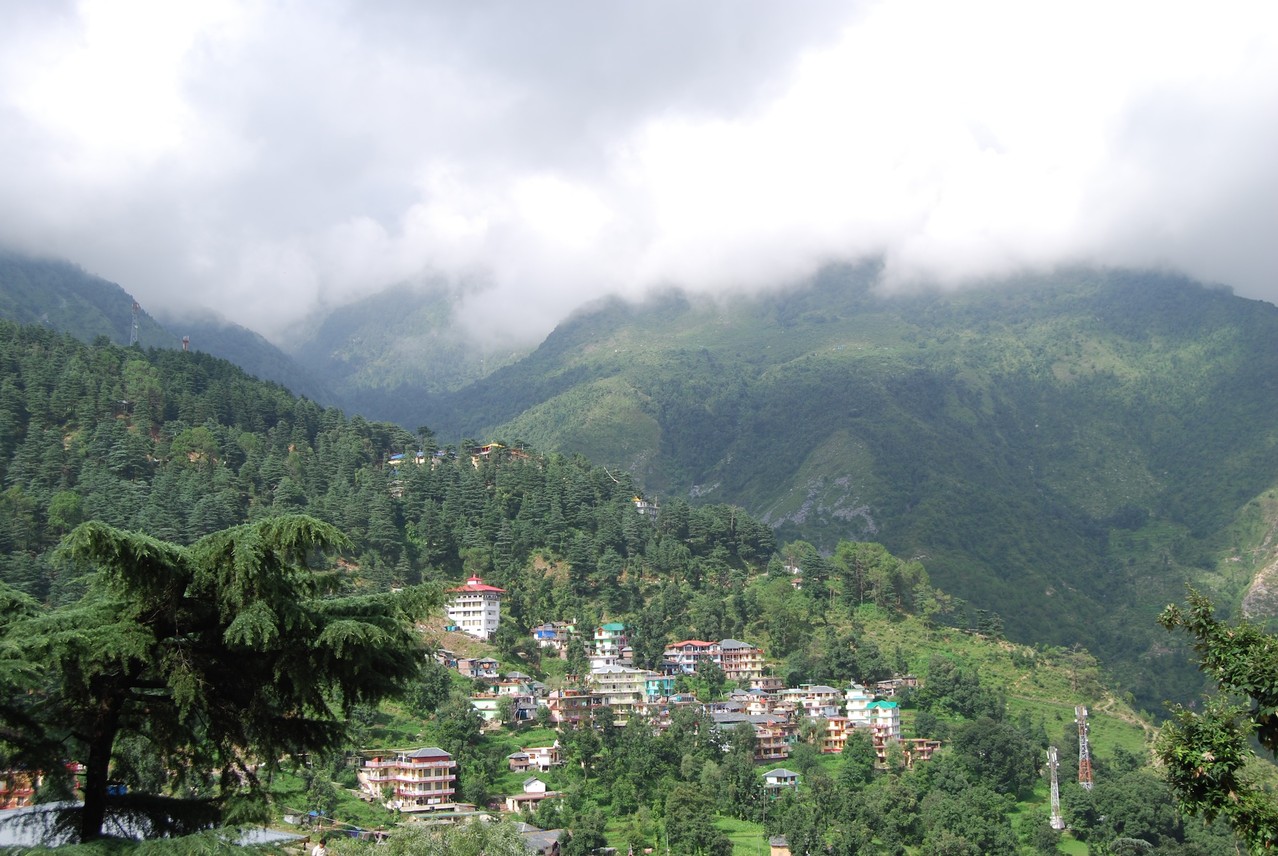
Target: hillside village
[614,691]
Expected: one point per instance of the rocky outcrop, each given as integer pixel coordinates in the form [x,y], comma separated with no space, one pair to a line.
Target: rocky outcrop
[1261,600]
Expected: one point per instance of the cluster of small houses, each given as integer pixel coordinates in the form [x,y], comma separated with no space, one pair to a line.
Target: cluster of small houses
[616,691]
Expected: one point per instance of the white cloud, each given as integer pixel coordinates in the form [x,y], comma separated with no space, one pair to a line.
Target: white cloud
[263,158]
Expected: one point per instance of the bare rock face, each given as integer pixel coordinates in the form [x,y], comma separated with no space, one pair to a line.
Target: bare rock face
[1261,600]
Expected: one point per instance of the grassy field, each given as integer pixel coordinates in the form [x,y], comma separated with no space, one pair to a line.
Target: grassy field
[289,793]
[748,839]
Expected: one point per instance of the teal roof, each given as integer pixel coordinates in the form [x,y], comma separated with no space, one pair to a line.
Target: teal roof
[613,626]
[882,704]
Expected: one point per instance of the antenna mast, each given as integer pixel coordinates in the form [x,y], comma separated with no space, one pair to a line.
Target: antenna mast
[1058,822]
[133,331]
[1084,750]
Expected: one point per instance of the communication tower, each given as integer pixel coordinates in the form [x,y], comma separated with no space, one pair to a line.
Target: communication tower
[133,331]
[1084,750]
[1053,763]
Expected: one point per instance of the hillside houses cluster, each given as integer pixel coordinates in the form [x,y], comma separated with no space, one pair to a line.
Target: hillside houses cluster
[424,780]
[615,691]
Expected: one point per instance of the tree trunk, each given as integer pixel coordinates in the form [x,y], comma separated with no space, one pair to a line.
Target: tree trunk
[96,769]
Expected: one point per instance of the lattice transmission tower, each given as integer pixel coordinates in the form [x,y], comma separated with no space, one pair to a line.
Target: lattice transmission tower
[1053,763]
[1084,749]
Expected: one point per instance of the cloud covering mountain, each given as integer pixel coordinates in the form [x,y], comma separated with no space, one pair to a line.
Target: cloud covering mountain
[266,159]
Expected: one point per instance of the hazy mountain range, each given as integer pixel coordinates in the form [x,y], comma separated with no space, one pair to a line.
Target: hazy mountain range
[1066,450]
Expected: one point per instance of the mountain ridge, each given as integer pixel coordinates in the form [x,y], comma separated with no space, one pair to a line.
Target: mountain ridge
[1054,445]
[65,297]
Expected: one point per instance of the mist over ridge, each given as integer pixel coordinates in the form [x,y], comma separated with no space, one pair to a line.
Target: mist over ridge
[220,158]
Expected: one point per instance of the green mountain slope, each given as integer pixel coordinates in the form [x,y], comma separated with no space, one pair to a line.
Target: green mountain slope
[381,353]
[1064,450]
[63,297]
[252,353]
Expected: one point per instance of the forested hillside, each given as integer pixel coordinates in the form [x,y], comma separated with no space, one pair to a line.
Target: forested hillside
[179,445]
[62,297]
[58,295]
[381,354]
[1054,446]
[1051,447]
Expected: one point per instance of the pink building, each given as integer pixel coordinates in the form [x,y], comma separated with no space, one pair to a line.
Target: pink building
[423,780]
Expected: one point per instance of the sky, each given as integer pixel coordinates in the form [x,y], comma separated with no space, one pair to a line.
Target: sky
[268,159]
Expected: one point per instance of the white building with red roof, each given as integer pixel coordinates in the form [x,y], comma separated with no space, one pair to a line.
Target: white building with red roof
[475,607]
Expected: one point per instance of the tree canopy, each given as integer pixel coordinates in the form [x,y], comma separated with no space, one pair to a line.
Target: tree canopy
[1206,754]
[221,657]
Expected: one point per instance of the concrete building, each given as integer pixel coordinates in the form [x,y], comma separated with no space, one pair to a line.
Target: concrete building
[772,734]
[541,758]
[741,661]
[815,701]
[535,791]
[836,734]
[690,653]
[572,707]
[423,780]
[610,641]
[857,700]
[475,608]
[885,719]
[779,780]
[625,690]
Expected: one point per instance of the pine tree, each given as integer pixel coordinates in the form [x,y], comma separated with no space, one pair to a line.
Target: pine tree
[226,655]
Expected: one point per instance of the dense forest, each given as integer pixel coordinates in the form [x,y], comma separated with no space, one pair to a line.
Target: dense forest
[180,445]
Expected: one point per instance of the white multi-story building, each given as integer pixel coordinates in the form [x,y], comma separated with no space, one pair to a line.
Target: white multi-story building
[815,701]
[475,607]
[610,641]
[690,653]
[779,780]
[857,700]
[622,689]
[885,719]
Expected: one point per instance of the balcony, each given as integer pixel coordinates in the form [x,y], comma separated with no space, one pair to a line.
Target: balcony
[435,796]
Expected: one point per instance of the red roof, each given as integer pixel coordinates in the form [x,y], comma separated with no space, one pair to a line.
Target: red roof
[476,584]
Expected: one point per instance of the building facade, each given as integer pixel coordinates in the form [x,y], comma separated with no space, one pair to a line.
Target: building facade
[423,780]
[475,608]
[610,641]
[690,653]
[741,661]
